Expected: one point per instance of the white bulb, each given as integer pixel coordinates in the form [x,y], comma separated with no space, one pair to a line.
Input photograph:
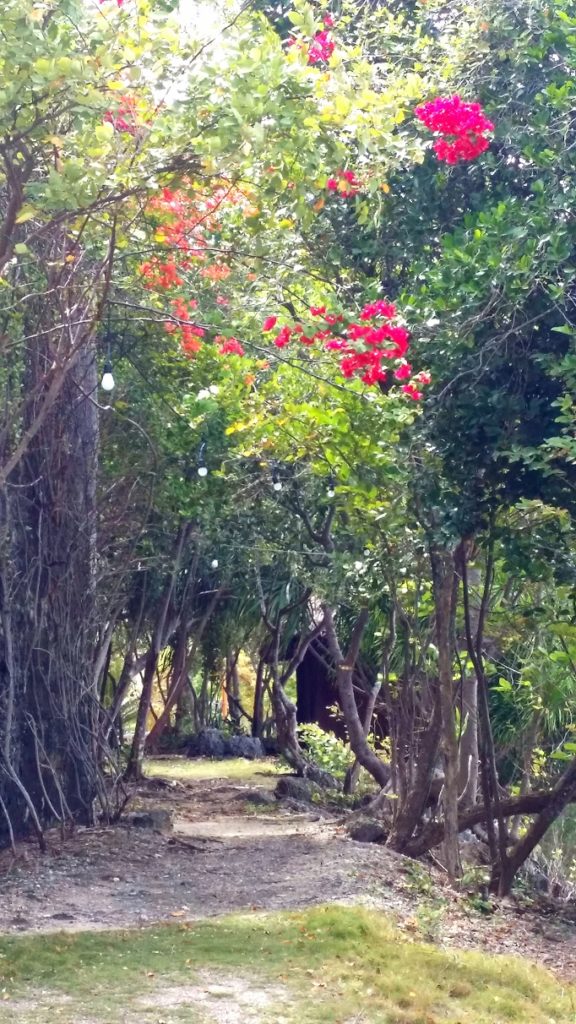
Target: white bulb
[214,563]
[331,492]
[277,485]
[107,383]
[202,471]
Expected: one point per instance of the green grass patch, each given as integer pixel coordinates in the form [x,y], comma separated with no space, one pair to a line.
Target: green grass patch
[191,769]
[338,965]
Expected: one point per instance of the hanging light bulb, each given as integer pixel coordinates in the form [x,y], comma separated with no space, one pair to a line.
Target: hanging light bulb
[276,483]
[331,491]
[107,383]
[214,563]
[202,468]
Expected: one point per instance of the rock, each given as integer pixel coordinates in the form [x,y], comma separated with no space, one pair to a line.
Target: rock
[292,788]
[213,743]
[261,797]
[245,746]
[322,778]
[156,818]
[473,852]
[366,830]
[208,743]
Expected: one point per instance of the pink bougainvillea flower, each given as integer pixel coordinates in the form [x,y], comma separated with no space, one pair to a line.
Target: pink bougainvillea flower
[270,323]
[462,127]
[317,310]
[344,183]
[283,337]
[412,391]
[378,308]
[321,48]
[403,372]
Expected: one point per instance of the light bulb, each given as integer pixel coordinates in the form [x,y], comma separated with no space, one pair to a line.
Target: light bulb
[330,492]
[202,471]
[214,563]
[107,383]
[277,485]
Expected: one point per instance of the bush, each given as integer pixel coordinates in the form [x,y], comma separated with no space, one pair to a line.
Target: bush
[326,750]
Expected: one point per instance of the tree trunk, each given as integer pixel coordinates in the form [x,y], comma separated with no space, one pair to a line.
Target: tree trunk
[258,709]
[48,697]
[563,793]
[468,771]
[159,641]
[344,684]
[443,585]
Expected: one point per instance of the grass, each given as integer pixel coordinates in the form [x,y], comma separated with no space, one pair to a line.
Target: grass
[186,768]
[338,965]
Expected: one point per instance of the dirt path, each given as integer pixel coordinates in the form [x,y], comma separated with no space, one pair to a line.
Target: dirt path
[225,855]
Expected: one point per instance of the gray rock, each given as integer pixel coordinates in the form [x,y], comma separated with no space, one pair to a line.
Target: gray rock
[156,818]
[322,778]
[366,830]
[261,797]
[212,743]
[292,788]
[208,743]
[245,746]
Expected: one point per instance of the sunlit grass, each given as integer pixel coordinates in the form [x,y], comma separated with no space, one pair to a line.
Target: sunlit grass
[190,769]
[338,965]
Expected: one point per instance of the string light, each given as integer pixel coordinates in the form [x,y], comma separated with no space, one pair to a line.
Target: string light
[107,383]
[331,491]
[276,483]
[214,563]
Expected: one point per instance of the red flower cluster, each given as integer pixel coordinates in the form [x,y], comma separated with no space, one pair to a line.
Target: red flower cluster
[124,118]
[228,346]
[372,345]
[189,333]
[463,127]
[346,184]
[322,47]
[160,275]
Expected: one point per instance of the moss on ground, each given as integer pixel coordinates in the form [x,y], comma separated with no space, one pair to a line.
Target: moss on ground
[333,965]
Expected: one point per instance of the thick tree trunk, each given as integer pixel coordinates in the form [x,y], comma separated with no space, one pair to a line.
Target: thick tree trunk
[414,804]
[49,755]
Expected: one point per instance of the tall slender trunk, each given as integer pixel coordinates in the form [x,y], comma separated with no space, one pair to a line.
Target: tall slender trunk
[258,707]
[181,671]
[443,585]
[468,773]
[345,664]
[159,640]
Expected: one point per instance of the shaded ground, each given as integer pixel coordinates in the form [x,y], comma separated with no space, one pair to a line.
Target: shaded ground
[225,855]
